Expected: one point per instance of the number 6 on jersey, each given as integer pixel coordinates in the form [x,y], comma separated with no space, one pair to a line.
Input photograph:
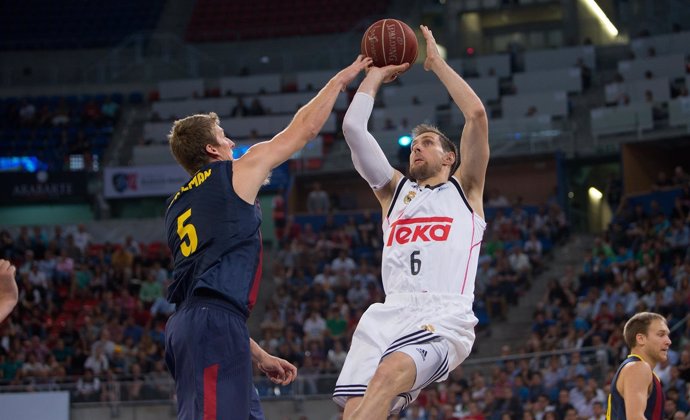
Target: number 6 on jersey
[186,231]
[415,263]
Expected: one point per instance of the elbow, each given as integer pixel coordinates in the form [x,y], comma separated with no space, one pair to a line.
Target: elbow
[477,113]
[349,125]
[311,132]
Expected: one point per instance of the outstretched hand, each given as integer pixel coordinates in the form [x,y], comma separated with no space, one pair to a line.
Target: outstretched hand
[278,370]
[432,54]
[349,73]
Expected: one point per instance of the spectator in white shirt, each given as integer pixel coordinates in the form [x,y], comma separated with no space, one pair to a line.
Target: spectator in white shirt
[314,326]
[343,261]
[82,238]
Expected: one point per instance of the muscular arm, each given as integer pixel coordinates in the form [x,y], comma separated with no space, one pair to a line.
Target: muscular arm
[474,144]
[261,158]
[633,384]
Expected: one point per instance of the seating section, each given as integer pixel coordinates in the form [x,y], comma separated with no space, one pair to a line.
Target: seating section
[568,79]
[633,118]
[219,20]
[48,24]
[559,58]
[53,128]
[671,66]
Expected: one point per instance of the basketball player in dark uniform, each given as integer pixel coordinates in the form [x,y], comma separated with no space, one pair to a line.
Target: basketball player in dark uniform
[213,225]
[636,392]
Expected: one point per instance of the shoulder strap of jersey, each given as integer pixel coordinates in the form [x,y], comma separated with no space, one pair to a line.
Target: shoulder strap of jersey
[462,193]
[395,196]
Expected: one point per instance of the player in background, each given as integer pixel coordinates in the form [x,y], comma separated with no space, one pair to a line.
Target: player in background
[213,224]
[636,391]
[433,227]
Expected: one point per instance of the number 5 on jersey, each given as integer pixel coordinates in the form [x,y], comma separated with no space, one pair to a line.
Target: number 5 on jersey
[186,231]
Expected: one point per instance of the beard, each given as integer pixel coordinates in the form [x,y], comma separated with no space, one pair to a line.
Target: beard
[421,172]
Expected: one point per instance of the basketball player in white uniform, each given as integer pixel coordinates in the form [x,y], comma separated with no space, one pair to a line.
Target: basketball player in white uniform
[432,231]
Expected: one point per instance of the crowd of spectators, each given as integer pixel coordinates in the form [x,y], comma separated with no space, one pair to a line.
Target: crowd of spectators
[93,315]
[53,128]
[89,316]
[641,263]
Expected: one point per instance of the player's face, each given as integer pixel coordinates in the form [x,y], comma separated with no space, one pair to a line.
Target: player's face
[657,341]
[225,145]
[426,156]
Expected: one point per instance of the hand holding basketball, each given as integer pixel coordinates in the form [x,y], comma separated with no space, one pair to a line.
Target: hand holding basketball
[388,73]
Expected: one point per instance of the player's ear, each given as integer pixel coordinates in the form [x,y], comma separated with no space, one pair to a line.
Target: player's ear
[211,149]
[449,158]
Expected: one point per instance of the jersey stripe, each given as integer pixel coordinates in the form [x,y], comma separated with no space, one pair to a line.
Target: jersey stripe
[395,196]
[257,276]
[462,193]
[422,220]
[469,257]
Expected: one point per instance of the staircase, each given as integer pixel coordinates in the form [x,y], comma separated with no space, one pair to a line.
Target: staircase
[515,331]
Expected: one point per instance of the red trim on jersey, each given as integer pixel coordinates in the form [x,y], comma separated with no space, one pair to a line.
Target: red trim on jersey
[658,409]
[437,219]
[257,276]
[210,383]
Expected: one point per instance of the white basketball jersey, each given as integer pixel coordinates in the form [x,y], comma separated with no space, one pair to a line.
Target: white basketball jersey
[431,240]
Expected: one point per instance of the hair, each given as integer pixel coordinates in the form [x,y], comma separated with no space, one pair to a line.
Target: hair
[446,144]
[639,324]
[189,137]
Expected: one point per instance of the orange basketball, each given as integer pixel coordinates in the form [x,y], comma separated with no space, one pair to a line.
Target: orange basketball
[390,41]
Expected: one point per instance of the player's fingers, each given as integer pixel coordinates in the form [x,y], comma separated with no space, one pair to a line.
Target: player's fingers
[402,67]
[4,265]
[289,377]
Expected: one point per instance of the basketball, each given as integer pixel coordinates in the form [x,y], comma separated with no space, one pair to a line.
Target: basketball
[390,41]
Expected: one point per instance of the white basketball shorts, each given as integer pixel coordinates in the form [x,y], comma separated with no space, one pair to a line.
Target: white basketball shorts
[436,330]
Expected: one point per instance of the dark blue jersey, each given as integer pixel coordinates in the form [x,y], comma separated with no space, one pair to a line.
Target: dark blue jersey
[655,401]
[215,239]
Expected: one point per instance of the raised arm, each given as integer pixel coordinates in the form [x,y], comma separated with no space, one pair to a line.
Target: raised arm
[367,156]
[262,157]
[474,143]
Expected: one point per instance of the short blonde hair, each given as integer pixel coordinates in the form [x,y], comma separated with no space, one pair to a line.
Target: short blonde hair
[188,139]
[639,324]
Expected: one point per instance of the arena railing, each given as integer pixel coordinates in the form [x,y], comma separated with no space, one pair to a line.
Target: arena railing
[306,386]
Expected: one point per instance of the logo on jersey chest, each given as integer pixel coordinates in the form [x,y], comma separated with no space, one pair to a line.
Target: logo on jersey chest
[421,229]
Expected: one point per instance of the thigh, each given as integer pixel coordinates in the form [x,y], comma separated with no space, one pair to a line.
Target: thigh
[209,349]
[430,360]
